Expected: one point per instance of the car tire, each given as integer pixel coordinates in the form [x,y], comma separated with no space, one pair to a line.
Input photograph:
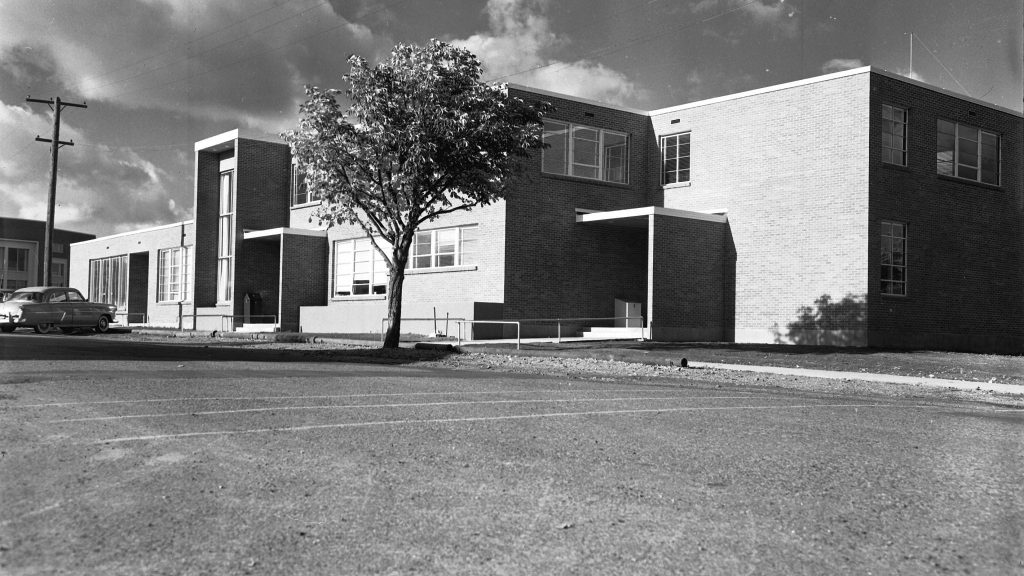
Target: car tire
[44,328]
[7,328]
[103,325]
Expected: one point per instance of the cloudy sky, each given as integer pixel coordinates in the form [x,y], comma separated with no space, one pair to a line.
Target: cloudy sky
[158,75]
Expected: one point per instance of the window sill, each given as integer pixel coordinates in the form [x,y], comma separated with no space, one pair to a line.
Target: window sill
[583,179]
[359,297]
[898,167]
[305,204]
[970,182]
[887,295]
[418,271]
[676,185]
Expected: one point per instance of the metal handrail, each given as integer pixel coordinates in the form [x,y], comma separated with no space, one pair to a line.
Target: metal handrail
[519,328]
[273,319]
[559,321]
[384,321]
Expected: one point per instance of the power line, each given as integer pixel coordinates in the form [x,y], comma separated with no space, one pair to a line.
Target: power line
[966,91]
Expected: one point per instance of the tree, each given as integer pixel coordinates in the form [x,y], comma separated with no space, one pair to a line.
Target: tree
[422,137]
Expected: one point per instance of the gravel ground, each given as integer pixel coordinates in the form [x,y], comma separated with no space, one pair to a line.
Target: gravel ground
[585,368]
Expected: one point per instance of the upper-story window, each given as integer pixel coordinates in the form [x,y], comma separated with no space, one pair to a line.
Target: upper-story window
[967,152]
[675,158]
[894,135]
[299,191]
[585,151]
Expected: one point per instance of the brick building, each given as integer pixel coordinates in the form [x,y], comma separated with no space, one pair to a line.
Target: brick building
[22,250]
[857,208]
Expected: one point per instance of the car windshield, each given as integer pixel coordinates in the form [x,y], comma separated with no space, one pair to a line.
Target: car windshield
[26,297]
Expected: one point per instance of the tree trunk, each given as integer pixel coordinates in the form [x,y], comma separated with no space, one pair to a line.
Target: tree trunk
[395,282]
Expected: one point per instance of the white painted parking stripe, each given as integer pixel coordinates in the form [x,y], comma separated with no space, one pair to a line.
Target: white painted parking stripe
[316,397]
[403,405]
[482,419]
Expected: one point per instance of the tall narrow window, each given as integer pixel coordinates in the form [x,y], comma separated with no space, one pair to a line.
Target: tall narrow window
[675,158]
[894,135]
[300,192]
[967,152]
[226,240]
[894,258]
[585,152]
[174,281]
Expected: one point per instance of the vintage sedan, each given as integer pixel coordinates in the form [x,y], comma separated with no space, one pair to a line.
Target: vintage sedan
[46,308]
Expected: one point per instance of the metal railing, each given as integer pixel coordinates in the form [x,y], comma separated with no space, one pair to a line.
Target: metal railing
[224,327]
[384,325]
[128,317]
[518,325]
[560,321]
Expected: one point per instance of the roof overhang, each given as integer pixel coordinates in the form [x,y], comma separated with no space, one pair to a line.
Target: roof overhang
[277,233]
[638,217]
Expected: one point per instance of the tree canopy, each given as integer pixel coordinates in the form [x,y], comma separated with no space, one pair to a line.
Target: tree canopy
[422,137]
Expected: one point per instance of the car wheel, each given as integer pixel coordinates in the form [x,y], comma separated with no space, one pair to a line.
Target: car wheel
[7,328]
[44,328]
[103,325]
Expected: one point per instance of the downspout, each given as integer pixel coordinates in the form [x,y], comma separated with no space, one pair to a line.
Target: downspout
[184,251]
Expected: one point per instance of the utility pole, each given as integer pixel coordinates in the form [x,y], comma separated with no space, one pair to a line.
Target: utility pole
[55,143]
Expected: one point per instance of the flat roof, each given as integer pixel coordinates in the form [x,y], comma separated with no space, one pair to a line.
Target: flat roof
[773,88]
[133,232]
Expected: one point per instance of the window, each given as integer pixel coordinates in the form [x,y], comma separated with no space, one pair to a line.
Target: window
[359,268]
[300,193]
[894,135]
[226,240]
[173,281]
[108,281]
[675,158]
[894,258]
[585,152]
[967,152]
[17,259]
[443,248]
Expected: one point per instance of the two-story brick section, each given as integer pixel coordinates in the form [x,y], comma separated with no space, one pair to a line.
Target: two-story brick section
[858,208]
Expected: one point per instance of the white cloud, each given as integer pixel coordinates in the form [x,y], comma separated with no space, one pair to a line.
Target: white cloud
[97,185]
[226,61]
[519,47]
[840,64]
[777,13]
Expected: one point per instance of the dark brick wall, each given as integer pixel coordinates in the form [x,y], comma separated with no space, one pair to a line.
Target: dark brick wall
[35,231]
[206,210]
[965,253]
[689,292]
[304,277]
[557,268]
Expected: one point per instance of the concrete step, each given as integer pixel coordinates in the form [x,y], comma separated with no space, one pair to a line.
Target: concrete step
[257,328]
[613,333]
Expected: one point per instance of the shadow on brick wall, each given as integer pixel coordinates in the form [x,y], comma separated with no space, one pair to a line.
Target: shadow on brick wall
[828,323]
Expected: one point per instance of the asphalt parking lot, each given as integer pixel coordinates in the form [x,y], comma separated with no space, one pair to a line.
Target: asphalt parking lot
[190,459]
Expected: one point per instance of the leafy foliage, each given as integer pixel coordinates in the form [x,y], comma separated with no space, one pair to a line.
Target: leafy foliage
[422,137]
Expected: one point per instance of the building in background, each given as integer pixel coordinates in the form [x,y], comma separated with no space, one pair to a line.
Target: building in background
[858,208]
[21,253]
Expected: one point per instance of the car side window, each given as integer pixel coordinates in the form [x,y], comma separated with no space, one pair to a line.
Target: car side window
[58,296]
[74,296]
